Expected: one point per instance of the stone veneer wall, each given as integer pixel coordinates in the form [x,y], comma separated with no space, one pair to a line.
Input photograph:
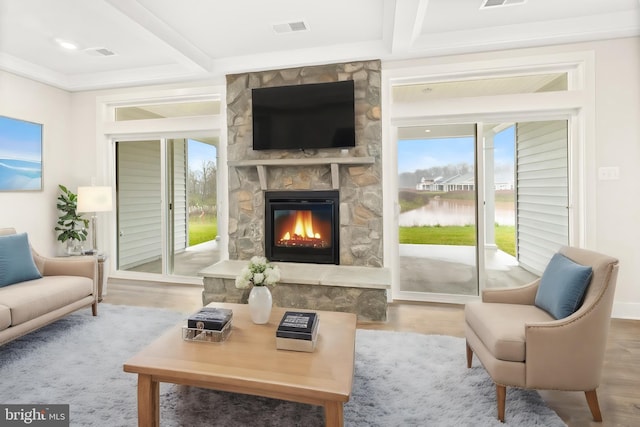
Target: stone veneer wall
[360,185]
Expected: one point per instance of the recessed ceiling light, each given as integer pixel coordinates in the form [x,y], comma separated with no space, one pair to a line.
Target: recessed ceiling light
[427,130]
[66,44]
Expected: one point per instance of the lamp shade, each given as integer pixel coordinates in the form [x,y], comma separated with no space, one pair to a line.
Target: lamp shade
[94,199]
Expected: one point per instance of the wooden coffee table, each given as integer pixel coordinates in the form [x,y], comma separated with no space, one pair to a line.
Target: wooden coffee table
[249,363]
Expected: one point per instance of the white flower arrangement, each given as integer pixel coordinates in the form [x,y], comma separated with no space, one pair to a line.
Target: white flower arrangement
[259,272]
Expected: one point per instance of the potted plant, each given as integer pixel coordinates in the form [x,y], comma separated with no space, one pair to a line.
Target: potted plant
[71,228]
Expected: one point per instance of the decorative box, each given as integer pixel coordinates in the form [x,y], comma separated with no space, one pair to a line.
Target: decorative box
[206,335]
[297,331]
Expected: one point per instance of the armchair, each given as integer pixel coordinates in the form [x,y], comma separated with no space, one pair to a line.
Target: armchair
[522,345]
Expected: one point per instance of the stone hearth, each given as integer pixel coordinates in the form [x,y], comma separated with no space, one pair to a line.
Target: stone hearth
[353,289]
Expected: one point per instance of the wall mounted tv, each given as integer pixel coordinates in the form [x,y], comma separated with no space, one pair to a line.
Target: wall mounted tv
[299,117]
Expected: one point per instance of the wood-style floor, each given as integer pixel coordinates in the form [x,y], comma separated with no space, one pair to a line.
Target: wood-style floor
[619,392]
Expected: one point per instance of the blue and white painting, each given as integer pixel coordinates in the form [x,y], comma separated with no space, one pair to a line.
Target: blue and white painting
[20,155]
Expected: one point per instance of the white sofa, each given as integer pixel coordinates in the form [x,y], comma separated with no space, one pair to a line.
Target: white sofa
[67,284]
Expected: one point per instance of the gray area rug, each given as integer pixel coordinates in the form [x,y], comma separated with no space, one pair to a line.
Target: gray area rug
[401,379]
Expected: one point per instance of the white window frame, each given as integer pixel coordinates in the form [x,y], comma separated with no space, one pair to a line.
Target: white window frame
[108,131]
[577,105]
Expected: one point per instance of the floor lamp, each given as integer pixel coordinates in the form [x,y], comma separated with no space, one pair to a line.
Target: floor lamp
[94,199]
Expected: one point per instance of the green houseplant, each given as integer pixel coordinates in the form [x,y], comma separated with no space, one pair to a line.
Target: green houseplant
[71,228]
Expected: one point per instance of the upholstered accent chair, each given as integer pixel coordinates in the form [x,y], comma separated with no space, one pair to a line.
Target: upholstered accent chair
[523,345]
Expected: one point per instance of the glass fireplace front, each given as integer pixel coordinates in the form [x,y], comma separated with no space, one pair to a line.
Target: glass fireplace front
[302,226]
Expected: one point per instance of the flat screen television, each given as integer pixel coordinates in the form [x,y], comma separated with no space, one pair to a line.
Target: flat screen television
[320,115]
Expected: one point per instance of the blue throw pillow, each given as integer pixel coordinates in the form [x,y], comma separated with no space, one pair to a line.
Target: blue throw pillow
[16,260]
[562,286]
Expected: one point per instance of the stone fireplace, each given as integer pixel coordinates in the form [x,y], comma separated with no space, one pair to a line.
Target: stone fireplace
[352,277]
[355,172]
[302,226]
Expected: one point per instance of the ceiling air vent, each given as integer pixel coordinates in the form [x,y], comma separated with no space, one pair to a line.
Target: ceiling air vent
[487,4]
[105,52]
[99,51]
[290,27]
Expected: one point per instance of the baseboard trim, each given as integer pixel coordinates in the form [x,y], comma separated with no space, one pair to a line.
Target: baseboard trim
[626,310]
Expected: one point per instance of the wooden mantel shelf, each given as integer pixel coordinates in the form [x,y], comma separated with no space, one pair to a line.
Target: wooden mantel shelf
[261,165]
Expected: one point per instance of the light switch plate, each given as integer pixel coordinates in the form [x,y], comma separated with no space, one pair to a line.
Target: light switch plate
[608,173]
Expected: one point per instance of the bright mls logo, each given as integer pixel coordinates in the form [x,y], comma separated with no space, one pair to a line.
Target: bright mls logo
[34,415]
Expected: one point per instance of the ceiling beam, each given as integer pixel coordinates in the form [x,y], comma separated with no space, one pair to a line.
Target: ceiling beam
[407,24]
[185,51]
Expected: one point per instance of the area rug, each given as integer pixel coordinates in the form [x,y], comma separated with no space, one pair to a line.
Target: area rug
[401,379]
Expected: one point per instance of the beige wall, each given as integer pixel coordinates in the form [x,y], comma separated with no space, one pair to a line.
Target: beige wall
[70,149]
[35,212]
[618,144]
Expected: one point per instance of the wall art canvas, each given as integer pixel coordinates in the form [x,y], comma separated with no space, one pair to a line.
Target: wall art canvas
[20,155]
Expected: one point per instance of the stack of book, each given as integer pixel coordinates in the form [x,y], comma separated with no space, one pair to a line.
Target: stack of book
[210,318]
[297,331]
[208,324]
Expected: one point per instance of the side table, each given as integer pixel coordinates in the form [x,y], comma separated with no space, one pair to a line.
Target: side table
[102,258]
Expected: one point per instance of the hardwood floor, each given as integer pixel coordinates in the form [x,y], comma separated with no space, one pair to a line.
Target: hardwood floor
[619,392]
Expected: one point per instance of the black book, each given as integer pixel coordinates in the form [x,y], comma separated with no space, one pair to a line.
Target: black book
[210,318]
[298,325]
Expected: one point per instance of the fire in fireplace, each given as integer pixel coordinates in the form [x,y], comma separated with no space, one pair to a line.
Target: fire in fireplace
[302,226]
[296,229]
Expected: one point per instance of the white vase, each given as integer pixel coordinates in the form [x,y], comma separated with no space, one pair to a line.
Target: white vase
[260,303]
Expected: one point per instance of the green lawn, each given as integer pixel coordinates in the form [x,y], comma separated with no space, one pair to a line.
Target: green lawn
[457,236]
[202,229]
[452,235]
[205,229]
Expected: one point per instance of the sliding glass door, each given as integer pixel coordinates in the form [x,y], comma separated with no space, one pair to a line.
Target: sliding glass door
[166,206]
[481,205]
[437,193]
[140,202]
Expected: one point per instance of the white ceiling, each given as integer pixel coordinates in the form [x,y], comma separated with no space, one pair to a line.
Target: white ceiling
[161,41]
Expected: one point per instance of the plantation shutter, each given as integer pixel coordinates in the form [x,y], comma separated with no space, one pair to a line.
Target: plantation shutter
[542,192]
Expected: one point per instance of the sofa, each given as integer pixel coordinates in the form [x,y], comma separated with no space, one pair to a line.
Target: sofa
[36,290]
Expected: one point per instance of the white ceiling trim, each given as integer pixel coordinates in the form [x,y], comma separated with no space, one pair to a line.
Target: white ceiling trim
[388,27]
[30,70]
[527,35]
[131,76]
[405,25]
[172,57]
[301,57]
[184,51]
